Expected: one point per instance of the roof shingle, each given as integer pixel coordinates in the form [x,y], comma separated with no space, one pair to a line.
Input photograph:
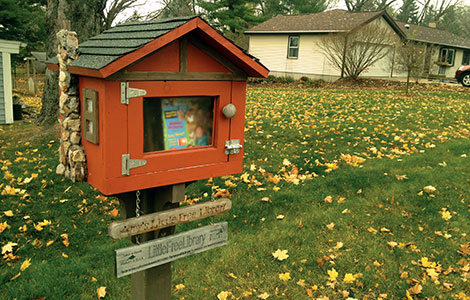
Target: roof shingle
[433,35]
[328,21]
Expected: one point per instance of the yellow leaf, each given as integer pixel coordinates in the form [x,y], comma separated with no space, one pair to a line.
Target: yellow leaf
[101,291]
[223,295]
[8,213]
[64,255]
[286,162]
[49,243]
[16,276]
[328,199]
[372,230]
[349,278]
[93,279]
[332,274]
[44,223]
[330,226]
[263,296]
[280,254]
[377,264]
[415,289]
[179,286]
[265,199]
[8,247]
[23,228]
[301,282]
[232,275]
[25,264]
[3,226]
[38,227]
[429,189]
[404,275]
[339,245]
[284,276]
[392,244]
[280,217]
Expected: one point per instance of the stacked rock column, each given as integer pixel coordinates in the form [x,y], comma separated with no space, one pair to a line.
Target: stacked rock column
[72,159]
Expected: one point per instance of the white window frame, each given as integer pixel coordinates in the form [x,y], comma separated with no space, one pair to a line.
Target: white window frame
[444,56]
[290,47]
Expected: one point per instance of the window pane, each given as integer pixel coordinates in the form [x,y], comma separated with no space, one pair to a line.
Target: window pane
[177,123]
[450,56]
[293,52]
[294,41]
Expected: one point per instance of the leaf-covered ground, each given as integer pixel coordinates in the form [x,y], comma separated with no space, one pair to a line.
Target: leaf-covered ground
[360,194]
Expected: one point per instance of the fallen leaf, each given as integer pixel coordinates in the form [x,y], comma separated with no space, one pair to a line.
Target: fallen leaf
[429,189]
[284,276]
[3,226]
[8,213]
[8,247]
[179,287]
[328,199]
[263,296]
[114,212]
[416,289]
[332,274]
[280,217]
[280,254]
[25,264]
[330,226]
[349,278]
[16,276]
[101,291]
[223,295]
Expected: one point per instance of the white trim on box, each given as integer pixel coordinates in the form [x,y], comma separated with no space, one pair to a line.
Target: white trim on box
[6,64]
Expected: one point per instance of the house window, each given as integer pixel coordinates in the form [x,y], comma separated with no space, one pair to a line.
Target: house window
[447,56]
[293,47]
[466,57]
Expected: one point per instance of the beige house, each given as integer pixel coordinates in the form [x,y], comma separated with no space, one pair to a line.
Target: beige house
[445,52]
[289,44]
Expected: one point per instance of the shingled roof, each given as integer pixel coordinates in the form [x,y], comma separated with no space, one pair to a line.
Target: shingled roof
[433,36]
[101,50]
[336,20]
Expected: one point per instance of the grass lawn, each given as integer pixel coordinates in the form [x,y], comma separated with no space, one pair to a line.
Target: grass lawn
[366,190]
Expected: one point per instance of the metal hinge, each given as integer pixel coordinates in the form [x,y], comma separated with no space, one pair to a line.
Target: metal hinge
[128,164]
[232,147]
[128,92]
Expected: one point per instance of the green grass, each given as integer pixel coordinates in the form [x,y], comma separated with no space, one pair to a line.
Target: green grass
[424,136]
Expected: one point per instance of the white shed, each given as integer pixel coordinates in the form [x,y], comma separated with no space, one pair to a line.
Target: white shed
[6,101]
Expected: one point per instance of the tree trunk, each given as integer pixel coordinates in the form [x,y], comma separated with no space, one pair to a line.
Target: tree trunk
[408,81]
[83,17]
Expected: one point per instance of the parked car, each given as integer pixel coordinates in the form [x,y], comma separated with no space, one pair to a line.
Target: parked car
[463,75]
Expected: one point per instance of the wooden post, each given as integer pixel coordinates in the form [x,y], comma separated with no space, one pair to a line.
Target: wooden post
[153,283]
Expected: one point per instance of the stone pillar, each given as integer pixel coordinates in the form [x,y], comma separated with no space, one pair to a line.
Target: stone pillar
[72,159]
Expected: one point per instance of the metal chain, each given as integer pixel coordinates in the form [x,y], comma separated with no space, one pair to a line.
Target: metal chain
[137,213]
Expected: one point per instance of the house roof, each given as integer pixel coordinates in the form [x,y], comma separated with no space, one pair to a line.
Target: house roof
[10,46]
[120,46]
[336,20]
[433,36]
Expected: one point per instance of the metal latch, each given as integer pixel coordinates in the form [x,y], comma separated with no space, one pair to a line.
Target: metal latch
[128,164]
[128,92]
[232,147]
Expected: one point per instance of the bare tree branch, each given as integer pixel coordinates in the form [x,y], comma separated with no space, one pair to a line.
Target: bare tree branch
[357,50]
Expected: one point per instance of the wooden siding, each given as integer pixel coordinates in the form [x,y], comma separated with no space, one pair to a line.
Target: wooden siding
[2,93]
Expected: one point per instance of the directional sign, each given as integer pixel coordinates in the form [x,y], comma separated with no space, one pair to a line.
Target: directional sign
[160,251]
[167,218]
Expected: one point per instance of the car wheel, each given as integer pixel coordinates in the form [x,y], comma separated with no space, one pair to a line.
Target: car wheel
[466,80]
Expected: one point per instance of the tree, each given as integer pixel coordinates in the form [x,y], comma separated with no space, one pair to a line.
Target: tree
[306,6]
[87,18]
[354,51]
[368,5]
[23,20]
[409,58]
[408,12]
[232,17]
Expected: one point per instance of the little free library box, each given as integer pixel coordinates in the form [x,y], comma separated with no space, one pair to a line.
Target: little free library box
[162,103]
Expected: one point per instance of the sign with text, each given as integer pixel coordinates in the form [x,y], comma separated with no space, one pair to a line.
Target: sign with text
[160,251]
[167,218]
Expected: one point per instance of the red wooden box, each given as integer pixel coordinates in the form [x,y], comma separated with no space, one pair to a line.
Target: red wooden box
[168,80]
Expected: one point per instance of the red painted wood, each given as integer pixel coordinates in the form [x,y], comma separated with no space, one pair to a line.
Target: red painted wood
[165,60]
[149,180]
[237,123]
[94,152]
[176,159]
[199,61]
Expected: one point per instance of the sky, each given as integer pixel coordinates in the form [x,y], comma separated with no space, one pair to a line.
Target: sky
[145,6]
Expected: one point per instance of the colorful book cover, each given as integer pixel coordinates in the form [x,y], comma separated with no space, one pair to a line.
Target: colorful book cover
[187,122]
